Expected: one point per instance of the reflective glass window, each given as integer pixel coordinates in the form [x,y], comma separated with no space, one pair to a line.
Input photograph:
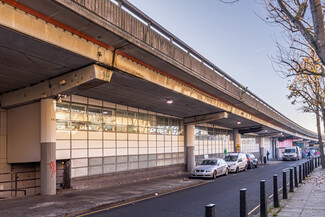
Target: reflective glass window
[95,118]
[109,123]
[121,121]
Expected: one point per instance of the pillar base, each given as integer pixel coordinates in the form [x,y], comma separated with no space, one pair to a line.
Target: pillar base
[48,168]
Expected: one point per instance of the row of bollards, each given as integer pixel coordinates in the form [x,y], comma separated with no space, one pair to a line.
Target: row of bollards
[305,170]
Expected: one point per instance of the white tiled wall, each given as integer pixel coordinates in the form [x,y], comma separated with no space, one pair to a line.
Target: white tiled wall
[110,149]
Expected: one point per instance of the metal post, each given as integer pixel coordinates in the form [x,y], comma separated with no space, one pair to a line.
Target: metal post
[243,202]
[300,180]
[210,210]
[291,180]
[264,160]
[318,161]
[16,184]
[284,185]
[316,165]
[263,209]
[296,177]
[275,191]
[307,165]
[303,171]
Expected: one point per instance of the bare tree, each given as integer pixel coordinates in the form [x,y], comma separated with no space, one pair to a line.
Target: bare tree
[291,58]
[304,17]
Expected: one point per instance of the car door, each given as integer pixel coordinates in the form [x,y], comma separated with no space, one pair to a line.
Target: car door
[240,162]
[244,160]
[219,167]
[223,166]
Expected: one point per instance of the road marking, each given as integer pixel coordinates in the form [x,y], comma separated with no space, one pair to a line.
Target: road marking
[260,204]
[254,209]
[142,199]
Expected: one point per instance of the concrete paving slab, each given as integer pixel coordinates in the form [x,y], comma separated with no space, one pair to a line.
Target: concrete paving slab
[308,200]
[312,213]
[286,213]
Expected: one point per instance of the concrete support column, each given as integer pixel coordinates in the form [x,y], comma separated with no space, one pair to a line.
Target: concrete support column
[48,147]
[190,162]
[237,142]
[261,148]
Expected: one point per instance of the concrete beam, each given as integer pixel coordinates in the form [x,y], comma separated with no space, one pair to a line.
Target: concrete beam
[82,79]
[206,118]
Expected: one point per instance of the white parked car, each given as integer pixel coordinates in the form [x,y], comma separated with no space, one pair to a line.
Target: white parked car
[210,168]
[236,162]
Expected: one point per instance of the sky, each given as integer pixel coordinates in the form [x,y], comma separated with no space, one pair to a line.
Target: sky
[234,38]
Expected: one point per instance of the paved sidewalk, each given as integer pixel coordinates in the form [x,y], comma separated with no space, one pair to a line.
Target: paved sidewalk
[308,200]
[76,201]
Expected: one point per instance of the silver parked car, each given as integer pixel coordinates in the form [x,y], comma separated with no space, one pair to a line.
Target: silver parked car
[236,162]
[210,168]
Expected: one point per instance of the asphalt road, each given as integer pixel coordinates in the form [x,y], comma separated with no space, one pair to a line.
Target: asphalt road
[224,192]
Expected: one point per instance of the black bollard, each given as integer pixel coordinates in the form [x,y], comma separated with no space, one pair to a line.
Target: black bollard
[275,191]
[307,165]
[291,180]
[296,176]
[300,178]
[264,160]
[318,161]
[263,209]
[210,210]
[243,202]
[284,185]
[303,171]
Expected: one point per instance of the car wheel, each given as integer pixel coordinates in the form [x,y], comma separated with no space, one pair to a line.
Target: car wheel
[214,174]
[226,173]
[237,170]
[256,165]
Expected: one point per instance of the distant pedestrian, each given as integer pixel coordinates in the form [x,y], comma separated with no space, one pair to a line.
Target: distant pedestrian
[308,155]
[267,155]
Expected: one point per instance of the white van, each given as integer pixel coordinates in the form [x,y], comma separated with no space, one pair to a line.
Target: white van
[292,153]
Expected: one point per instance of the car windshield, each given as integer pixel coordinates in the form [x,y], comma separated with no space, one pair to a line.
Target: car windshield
[289,151]
[209,162]
[231,158]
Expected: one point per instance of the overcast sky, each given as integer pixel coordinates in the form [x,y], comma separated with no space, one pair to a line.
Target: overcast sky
[235,39]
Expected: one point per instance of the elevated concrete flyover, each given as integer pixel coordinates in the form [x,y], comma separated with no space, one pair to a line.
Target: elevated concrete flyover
[68,35]
[106,59]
